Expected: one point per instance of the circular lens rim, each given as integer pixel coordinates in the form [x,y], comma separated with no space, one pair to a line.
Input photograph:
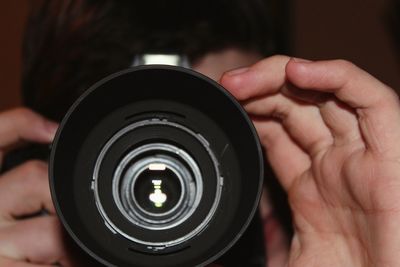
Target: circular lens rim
[209,215]
[54,168]
[118,175]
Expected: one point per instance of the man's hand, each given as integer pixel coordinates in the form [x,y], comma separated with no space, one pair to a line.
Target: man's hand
[33,241]
[332,135]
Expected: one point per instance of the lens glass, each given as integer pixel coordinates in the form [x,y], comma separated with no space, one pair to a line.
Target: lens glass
[157,189]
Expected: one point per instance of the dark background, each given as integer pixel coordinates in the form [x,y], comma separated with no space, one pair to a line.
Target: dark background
[357,30]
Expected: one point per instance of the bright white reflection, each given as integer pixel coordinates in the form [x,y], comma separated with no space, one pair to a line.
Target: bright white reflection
[162,59]
[158,197]
[157,167]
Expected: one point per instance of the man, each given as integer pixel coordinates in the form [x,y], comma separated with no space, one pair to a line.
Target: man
[330,135]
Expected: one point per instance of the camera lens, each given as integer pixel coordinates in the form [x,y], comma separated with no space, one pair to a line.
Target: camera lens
[155,186]
[157,189]
[156,166]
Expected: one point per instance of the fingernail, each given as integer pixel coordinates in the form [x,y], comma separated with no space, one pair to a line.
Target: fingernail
[51,128]
[300,60]
[237,71]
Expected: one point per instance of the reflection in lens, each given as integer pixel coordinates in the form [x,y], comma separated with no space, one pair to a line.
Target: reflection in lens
[157,190]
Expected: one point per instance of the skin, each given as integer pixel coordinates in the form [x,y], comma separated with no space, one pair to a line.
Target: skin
[334,120]
[214,66]
[339,126]
[24,191]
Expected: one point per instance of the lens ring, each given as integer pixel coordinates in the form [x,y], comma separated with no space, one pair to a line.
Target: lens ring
[193,189]
[133,201]
[178,240]
[136,202]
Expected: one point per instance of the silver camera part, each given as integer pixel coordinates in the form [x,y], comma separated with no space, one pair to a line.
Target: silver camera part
[192,189]
[162,59]
[110,224]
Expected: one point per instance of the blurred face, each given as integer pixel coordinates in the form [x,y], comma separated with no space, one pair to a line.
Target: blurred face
[215,64]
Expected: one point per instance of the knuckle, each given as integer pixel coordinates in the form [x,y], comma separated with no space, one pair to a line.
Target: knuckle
[35,172]
[26,117]
[344,65]
[23,113]
[52,227]
[51,222]
[387,97]
[394,95]
[49,229]
[280,57]
[282,108]
[277,60]
[281,112]
[47,225]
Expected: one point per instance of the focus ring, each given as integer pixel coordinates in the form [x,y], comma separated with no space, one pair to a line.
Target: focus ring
[189,161]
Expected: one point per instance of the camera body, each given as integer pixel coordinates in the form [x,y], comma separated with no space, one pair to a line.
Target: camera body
[156,166]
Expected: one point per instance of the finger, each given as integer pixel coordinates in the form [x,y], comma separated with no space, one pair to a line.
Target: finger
[377,106]
[38,240]
[301,121]
[286,158]
[13,263]
[265,77]
[23,124]
[25,190]
[339,117]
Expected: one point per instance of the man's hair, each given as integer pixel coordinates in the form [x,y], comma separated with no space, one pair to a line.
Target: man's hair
[70,44]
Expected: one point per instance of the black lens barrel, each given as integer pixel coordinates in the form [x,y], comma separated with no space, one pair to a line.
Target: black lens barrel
[156,166]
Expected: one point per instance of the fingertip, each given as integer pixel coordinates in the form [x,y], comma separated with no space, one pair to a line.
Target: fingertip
[300,60]
[237,72]
[297,71]
[41,129]
[234,80]
[296,65]
[264,77]
[23,123]
[50,129]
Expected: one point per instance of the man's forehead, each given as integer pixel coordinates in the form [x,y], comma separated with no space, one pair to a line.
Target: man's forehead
[214,64]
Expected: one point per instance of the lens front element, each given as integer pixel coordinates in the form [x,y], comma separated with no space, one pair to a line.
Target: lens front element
[157,189]
[157,186]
